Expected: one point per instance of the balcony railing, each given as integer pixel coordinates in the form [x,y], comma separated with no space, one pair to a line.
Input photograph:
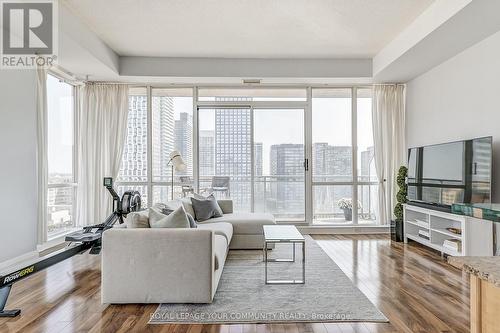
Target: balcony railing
[281,195]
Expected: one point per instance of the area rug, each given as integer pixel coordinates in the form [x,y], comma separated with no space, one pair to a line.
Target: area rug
[242,296]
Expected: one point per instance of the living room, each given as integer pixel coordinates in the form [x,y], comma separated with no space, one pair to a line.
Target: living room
[217,166]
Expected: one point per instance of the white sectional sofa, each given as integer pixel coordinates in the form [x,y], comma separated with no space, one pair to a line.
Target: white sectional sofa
[175,265]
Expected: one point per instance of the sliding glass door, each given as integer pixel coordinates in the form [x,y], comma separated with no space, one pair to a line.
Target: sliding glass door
[255,157]
[279,173]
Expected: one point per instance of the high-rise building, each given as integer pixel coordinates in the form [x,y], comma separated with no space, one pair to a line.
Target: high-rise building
[206,151]
[163,143]
[286,165]
[134,161]
[331,163]
[184,141]
[257,155]
[233,151]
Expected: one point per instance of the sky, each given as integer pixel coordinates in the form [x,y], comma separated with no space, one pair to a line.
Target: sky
[60,126]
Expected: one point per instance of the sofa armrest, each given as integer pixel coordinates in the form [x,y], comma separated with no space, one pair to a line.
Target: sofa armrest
[157,266]
[226,205]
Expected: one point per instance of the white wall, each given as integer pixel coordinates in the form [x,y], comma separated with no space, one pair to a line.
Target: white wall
[18,163]
[459,99]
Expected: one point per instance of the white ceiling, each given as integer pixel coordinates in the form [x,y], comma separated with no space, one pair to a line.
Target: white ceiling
[248,28]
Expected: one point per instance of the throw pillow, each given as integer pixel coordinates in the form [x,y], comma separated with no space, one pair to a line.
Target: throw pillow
[177,219]
[192,222]
[207,208]
[137,220]
[188,206]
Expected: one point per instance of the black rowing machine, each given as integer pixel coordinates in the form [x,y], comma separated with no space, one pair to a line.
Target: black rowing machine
[79,242]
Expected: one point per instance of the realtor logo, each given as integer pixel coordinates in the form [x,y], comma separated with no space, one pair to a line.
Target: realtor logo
[28,33]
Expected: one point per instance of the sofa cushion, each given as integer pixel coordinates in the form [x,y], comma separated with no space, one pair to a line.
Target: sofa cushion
[245,223]
[220,250]
[219,228]
[177,219]
[137,220]
[206,208]
[226,205]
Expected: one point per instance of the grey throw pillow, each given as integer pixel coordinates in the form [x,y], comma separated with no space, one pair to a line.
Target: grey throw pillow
[206,208]
[177,219]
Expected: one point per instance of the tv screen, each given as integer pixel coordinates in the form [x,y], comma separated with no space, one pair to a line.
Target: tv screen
[455,172]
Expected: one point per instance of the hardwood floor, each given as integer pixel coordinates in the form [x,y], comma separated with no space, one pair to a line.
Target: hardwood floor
[410,284]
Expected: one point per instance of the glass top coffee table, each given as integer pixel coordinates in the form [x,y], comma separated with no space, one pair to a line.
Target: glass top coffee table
[279,234]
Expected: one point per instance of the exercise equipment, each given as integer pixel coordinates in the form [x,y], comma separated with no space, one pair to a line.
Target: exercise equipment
[79,242]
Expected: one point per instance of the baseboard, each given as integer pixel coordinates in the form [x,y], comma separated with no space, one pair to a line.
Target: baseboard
[344,230]
[4,265]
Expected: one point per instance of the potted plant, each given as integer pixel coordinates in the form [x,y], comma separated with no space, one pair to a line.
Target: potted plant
[401,197]
[346,205]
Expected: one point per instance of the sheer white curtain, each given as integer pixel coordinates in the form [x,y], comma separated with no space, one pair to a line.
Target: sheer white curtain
[102,129]
[388,114]
[41,156]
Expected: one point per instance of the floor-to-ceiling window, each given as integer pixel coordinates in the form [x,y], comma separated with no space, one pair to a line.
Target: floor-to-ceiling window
[135,163]
[332,158]
[172,129]
[160,120]
[344,179]
[292,152]
[61,155]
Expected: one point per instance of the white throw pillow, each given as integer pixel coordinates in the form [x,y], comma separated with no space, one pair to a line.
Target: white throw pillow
[176,219]
[188,206]
[136,220]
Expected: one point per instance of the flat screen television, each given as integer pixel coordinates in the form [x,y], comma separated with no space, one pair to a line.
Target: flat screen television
[455,172]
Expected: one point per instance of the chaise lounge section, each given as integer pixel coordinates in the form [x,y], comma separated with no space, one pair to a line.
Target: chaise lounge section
[247,227]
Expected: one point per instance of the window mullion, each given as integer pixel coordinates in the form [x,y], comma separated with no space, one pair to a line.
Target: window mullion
[196,142]
[354,133]
[149,150]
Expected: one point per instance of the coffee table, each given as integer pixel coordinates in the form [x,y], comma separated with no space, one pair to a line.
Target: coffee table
[274,234]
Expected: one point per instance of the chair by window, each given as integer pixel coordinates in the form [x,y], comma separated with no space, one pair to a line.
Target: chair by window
[186,185]
[220,184]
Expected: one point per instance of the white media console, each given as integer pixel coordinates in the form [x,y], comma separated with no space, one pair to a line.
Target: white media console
[476,236]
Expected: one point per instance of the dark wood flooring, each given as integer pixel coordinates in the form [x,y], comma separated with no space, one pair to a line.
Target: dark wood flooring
[413,286]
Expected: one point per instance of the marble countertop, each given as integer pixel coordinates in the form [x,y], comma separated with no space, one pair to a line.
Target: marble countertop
[484,211]
[486,268]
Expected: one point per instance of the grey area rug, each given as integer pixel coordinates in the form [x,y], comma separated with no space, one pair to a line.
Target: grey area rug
[242,296]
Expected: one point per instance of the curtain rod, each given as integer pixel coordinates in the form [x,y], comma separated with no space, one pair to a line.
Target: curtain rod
[388,84]
[104,82]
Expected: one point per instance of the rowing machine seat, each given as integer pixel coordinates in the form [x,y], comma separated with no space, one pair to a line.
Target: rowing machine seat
[81,236]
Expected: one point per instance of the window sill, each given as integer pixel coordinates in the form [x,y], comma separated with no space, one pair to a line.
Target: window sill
[55,242]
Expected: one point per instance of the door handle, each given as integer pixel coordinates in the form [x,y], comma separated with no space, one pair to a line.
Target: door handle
[306,164]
